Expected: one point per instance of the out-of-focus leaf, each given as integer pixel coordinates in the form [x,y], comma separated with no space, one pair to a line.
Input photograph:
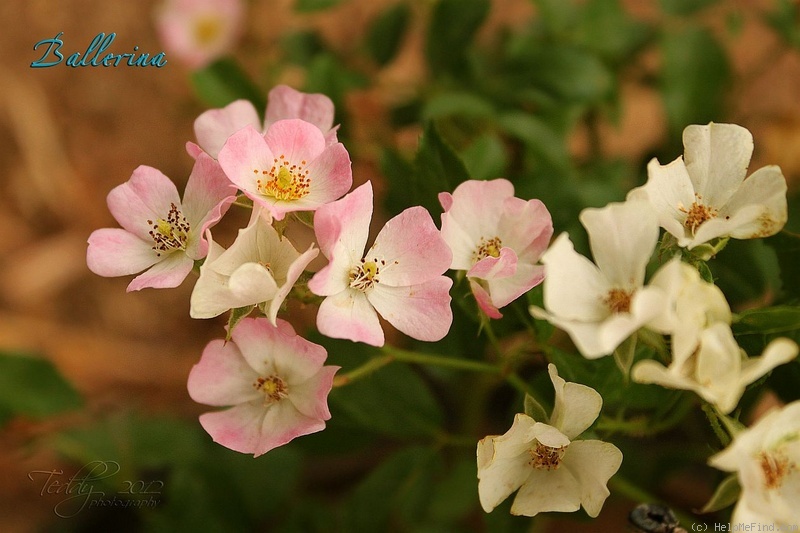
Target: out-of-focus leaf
[784,380]
[437,168]
[538,137]
[768,320]
[725,495]
[304,6]
[457,103]
[784,20]
[387,32]
[486,157]
[396,491]
[393,400]
[607,29]
[328,75]
[453,24]
[33,387]
[787,249]
[456,494]
[534,409]
[569,73]
[557,16]
[745,270]
[224,81]
[695,75]
[685,7]
[301,47]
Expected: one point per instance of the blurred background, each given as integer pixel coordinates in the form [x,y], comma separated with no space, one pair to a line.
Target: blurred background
[573,96]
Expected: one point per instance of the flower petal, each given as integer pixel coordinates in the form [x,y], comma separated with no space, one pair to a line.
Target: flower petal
[717,156]
[166,274]
[576,406]
[243,156]
[310,397]
[412,247]
[547,490]
[213,127]
[777,352]
[622,237]
[222,376]
[506,290]
[115,252]
[344,224]
[208,195]
[503,266]
[296,268]
[592,463]
[758,208]
[420,311]
[668,189]
[285,102]
[526,227]
[331,175]
[348,315]
[294,141]
[484,300]
[147,195]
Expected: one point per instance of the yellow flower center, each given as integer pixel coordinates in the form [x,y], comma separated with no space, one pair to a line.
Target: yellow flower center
[618,301]
[283,181]
[486,248]
[171,233]
[697,214]
[274,388]
[364,276]
[207,29]
[546,457]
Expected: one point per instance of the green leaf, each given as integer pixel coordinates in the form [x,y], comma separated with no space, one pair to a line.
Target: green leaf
[33,387]
[437,168]
[305,6]
[784,21]
[486,157]
[569,73]
[398,489]
[538,136]
[452,27]
[607,29]
[787,249]
[387,31]
[685,7]
[455,495]
[769,320]
[328,75]
[726,494]
[695,75]
[235,317]
[558,16]
[301,47]
[624,355]
[458,103]
[224,81]
[534,409]
[393,400]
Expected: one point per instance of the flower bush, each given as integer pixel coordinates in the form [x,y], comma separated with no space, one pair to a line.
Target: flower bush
[442,336]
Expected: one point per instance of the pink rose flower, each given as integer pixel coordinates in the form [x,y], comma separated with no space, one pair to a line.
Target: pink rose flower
[400,277]
[160,234]
[274,380]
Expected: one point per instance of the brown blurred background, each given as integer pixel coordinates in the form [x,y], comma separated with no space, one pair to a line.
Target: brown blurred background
[68,136]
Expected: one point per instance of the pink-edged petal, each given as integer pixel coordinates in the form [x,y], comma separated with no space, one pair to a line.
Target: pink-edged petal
[471,212]
[222,377]
[115,252]
[526,227]
[147,195]
[344,224]
[622,237]
[243,158]
[295,358]
[253,428]
[333,278]
[311,396]
[716,157]
[209,193]
[167,274]
[495,267]
[412,248]
[574,287]
[297,267]
[285,102]
[547,490]
[484,300]
[213,127]
[296,140]
[193,149]
[348,315]
[592,463]
[420,311]
[331,175]
[506,290]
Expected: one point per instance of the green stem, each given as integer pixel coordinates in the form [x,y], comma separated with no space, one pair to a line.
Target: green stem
[714,419]
[367,368]
[440,360]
